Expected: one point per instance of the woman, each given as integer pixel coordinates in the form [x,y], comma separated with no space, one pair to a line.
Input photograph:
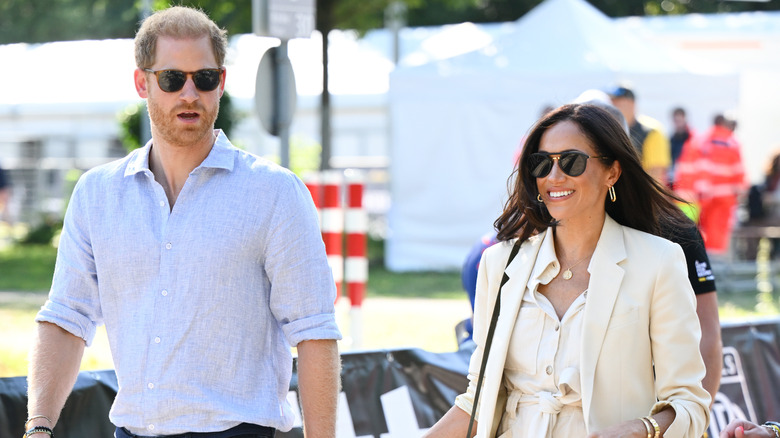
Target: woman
[597,325]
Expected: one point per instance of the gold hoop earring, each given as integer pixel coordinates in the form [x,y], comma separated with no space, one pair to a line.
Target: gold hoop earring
[612,195]
[539,197]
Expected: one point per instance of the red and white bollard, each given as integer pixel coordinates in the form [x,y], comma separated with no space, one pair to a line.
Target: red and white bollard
[332,225]
[314,184]
[356,263]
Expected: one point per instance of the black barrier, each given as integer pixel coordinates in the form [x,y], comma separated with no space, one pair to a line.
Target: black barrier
[400,393]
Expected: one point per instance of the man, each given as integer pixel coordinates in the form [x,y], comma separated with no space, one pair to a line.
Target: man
[646,135]
[710,174]
[205,263]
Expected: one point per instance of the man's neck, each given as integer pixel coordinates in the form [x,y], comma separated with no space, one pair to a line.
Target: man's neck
[172,164]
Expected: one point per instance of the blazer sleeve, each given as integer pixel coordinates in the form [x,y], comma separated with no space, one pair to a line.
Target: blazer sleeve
[483,307]
[675,335]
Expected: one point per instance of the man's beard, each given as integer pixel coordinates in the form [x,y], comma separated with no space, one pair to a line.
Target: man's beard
[165,123]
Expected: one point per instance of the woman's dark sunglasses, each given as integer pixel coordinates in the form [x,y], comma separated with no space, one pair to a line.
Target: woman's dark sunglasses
[169,81]
[572,163]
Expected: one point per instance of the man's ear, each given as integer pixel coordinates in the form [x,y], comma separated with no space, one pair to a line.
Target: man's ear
[139,77]
[222,85]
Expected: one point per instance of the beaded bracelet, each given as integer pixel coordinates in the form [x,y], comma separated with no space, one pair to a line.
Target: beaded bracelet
[655,426]
[38,429]
[774,427]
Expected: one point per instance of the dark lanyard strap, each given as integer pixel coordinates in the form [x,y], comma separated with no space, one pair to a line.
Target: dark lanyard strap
[489,339]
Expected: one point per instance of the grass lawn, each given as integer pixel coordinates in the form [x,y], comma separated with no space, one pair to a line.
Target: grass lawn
[26,267]
[401,310]
[398,308]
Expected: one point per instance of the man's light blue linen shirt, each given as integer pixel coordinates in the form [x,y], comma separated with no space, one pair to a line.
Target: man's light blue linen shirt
[202,302]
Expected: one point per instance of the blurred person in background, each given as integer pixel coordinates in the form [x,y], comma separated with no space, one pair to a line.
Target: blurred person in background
[710,175]
[763,206]
[5,194]
[682,133]
[646,134]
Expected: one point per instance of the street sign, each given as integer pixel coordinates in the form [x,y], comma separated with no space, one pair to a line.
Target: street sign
[275,92]
[284,19]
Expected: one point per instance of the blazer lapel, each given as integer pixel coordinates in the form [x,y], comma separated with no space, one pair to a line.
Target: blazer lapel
[606,277]
[518,272]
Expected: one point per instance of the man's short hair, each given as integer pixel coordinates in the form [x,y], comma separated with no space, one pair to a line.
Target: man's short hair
[177,22]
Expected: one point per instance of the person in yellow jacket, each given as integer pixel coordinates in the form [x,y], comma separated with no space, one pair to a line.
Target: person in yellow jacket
[646,134]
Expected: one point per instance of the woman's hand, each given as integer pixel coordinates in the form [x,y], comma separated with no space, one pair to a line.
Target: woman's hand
[636,428]
[631,428]
[745,429]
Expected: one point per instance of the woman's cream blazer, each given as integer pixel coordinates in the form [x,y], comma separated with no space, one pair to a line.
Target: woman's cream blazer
[640,317]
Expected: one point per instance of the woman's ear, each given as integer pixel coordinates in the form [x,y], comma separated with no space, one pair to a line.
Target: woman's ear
[139,78]
[614,173]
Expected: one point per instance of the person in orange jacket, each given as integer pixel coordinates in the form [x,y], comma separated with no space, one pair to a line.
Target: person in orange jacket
[711,175]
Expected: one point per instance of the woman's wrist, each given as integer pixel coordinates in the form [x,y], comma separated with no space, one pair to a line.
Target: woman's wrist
[773,427]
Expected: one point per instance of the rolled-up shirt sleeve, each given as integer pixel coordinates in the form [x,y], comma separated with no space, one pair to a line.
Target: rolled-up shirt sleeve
[74,302]
[303,291]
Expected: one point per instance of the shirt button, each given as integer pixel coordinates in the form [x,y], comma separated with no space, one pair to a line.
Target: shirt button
[150,386]
[557,327]
[150,427]
[157,340]
[548,370]
[168,246]
[164,293]
[162,203]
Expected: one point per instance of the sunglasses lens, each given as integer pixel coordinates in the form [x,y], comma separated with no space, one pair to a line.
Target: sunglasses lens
[171,80]
[541,165]
[207,80]
[573,164]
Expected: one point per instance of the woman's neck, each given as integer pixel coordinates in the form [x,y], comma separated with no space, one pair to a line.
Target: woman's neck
[575,241]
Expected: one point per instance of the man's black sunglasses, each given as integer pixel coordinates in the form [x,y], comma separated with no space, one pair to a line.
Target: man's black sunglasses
[206,79]
[572,163]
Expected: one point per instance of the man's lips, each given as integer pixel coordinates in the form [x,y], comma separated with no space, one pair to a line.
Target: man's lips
[188,116]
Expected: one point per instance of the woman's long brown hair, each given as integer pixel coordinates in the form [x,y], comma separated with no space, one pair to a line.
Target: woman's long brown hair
[642,202]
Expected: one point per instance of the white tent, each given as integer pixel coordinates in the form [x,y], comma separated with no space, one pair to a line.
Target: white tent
[457,123]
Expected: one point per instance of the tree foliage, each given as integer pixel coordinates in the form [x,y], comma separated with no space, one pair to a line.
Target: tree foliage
[34,21]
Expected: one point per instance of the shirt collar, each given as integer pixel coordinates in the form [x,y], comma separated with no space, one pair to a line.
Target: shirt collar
[220,156]
[547,265]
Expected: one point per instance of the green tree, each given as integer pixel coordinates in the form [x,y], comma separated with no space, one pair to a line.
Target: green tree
[34,21]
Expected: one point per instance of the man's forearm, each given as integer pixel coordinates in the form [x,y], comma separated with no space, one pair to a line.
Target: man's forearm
[54,365]
[319,383]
